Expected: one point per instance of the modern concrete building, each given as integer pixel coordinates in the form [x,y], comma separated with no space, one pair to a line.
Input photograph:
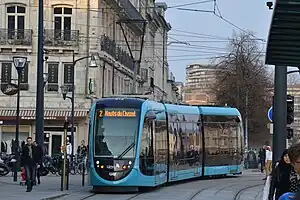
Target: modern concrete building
[84,28]
[199,80]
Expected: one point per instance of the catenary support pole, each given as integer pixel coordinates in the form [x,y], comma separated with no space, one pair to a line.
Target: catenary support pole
[39,133]
[280,112]
[17,153]
[73,102]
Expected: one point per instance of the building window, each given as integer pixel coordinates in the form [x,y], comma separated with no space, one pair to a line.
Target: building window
[9,73]
[152,45]
[52,84]
[109,82]
[68,75]
[127,85]
[122,85]
[62,23]
[15,21]
[144,74]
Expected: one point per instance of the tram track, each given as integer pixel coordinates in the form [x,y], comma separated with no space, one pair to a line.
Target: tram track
[128,198]
[236,196]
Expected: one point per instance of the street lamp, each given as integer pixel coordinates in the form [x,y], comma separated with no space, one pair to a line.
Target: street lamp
[19,63]
[65,90]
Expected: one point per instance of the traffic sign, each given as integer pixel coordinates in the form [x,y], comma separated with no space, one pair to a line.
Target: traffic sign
[270,114]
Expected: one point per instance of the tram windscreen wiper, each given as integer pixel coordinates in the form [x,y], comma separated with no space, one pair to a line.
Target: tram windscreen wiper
[126,150]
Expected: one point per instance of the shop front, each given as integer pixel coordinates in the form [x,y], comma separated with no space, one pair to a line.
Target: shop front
[53,128]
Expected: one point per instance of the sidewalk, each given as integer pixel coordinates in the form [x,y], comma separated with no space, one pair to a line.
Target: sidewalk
[49,188]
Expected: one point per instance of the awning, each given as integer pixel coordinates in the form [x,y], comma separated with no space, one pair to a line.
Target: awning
[284,35]
[47,113]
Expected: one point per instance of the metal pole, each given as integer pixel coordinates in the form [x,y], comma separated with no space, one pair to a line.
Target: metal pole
[163,64]
[65,155]
[83,172]
[280,112]
[39,133]
[246,123]
[17,129]
[135,68]
[73,102]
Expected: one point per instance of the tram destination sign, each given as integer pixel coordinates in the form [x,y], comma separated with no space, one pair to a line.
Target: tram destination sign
[117,113]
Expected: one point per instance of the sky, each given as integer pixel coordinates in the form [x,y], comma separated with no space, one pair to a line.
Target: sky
[209,33]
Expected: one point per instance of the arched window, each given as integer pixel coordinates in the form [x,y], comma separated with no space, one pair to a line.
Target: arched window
[15,21]
[62,23]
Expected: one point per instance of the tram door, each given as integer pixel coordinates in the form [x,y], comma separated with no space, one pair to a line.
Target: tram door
[174,152]
[161,148]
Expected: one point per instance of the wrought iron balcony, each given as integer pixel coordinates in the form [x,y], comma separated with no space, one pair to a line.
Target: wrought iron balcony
[16,37]
[129,12]
[109,46]
[124,58]
[61,38]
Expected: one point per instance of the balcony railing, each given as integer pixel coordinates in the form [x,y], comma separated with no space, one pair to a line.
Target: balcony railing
[61,38]
[109,46]
[129,13]
[16,37]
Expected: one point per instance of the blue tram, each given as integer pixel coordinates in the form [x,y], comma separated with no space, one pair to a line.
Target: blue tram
[136,142]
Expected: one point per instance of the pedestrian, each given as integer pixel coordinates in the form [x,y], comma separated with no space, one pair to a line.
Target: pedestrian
[39,162]
[294,156]
[29,160]
[82,149]
[280,177]
[262,159]
[268,163]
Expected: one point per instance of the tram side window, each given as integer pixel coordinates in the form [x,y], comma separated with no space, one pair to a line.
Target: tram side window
[146,154]
[161,147]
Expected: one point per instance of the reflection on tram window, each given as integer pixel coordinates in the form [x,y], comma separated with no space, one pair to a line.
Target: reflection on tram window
[221,140]
[185,141]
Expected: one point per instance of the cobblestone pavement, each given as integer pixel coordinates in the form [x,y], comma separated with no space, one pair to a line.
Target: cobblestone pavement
[246,187]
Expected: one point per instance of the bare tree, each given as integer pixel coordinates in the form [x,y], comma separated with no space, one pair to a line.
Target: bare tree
[242,81]
[293,79]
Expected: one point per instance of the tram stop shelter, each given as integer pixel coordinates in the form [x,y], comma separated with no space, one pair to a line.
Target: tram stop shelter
[283,49]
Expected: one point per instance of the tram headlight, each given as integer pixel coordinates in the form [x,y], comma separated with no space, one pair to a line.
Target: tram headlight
[97,162]
[124,167]
[102,166]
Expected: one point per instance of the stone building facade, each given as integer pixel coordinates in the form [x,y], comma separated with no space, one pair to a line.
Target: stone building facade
[83,29]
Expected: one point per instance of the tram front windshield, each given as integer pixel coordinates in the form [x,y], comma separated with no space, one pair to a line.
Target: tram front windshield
[115,132]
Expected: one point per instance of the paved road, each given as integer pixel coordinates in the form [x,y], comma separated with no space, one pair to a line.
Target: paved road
[246,187]
[49,188]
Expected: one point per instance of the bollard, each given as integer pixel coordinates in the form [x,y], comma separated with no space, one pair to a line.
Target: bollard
[64,167]
[67,174]
[83,172]
[62,176]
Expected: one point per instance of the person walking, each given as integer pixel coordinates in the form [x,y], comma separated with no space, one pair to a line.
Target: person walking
[39,162]
[268,163]
[29,160]
[281,177]
[262,159]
